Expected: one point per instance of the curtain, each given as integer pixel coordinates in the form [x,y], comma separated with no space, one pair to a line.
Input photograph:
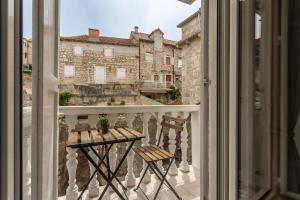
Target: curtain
[293,95]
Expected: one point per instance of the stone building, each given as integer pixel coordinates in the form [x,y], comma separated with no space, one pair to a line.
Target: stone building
[191,58]
[96,59]
[159,57]
[27,52]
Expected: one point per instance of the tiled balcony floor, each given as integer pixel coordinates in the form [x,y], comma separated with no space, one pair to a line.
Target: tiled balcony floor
[187,186]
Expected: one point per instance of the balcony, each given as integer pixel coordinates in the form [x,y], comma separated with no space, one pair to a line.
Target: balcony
[154,87]
[184,173]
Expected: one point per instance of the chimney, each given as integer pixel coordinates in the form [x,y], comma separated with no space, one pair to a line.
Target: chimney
[136,29]
[94,34]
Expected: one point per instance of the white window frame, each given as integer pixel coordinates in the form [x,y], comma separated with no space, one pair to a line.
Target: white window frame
[121,73]
[149,58]
[180,63]
[69,71]
[108,52]
[77,51]
[165,60]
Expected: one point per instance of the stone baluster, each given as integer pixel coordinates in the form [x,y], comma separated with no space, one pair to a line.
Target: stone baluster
[145,142]
[72,189]
[93,187]
[27,163]
[184,165]
[172,148]
[159,127]
[94,184]
[130,178]
[113,151]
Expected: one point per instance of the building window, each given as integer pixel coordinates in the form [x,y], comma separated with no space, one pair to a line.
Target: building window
[78,51]
[156,78]
[180,63]
[149,58]
[69,71]
[108,53]
[121,73]
[25,55]
[168,60]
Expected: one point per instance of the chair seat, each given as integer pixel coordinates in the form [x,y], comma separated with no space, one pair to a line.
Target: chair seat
[152,153]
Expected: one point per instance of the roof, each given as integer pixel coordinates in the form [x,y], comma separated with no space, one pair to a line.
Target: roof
[102,40]
[187,20]
[146,37]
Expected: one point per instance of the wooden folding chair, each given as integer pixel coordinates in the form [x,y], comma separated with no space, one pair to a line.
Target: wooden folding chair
[152,154]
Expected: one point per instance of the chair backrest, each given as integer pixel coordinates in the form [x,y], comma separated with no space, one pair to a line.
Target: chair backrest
[170,122]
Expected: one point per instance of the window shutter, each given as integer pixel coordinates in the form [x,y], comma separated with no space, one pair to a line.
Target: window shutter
[165,60]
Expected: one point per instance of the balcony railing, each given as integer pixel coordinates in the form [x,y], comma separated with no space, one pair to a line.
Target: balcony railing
[71,114]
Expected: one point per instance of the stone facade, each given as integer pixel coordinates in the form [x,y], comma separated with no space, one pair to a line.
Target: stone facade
[91,57]
[191,59]
[27,52]
[165,54]
[121,60]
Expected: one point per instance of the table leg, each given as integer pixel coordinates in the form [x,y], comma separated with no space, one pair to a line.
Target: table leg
[109,182]
[100,163]
[117,169]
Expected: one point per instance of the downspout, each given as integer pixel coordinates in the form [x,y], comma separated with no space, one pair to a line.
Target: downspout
[139,60]
[173,50]
[204,98]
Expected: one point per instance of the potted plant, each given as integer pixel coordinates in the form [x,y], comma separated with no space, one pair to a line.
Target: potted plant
[104,123]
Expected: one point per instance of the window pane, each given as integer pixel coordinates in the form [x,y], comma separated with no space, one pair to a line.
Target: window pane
[254,131]
[121,73]
[69,71]
[78,51]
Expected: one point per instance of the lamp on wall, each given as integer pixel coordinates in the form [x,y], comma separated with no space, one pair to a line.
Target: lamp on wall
[187,1]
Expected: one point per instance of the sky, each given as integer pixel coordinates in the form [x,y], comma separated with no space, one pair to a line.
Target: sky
[116,18]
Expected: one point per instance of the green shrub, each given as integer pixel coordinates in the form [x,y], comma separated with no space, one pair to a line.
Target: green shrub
[27,71]
[64,97]
[112,100]
[122,102]
[174,93]
[103,121]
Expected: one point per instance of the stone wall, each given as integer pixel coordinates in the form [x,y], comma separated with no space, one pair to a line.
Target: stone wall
[93,55]
[191,60]
[100,94]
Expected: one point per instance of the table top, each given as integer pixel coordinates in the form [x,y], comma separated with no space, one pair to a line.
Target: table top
[93,137]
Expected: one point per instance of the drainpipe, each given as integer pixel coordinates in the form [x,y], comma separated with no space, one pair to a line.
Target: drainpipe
[173,66]
[204,98]
[139,60]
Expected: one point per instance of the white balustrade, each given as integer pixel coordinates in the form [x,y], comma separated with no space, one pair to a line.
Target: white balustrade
[94,184]
[113,151]
[130,178]
[71,113]
[27,137]
[172,147]
[184,165]
[72,190]
[145,142]
[158,132]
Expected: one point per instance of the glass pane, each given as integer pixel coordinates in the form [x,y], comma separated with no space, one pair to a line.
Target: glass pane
[27,97]
[293,144]
[254,131]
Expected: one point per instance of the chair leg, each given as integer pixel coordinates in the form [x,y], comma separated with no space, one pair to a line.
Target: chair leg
[142,178]
[159,174]
[154,168]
